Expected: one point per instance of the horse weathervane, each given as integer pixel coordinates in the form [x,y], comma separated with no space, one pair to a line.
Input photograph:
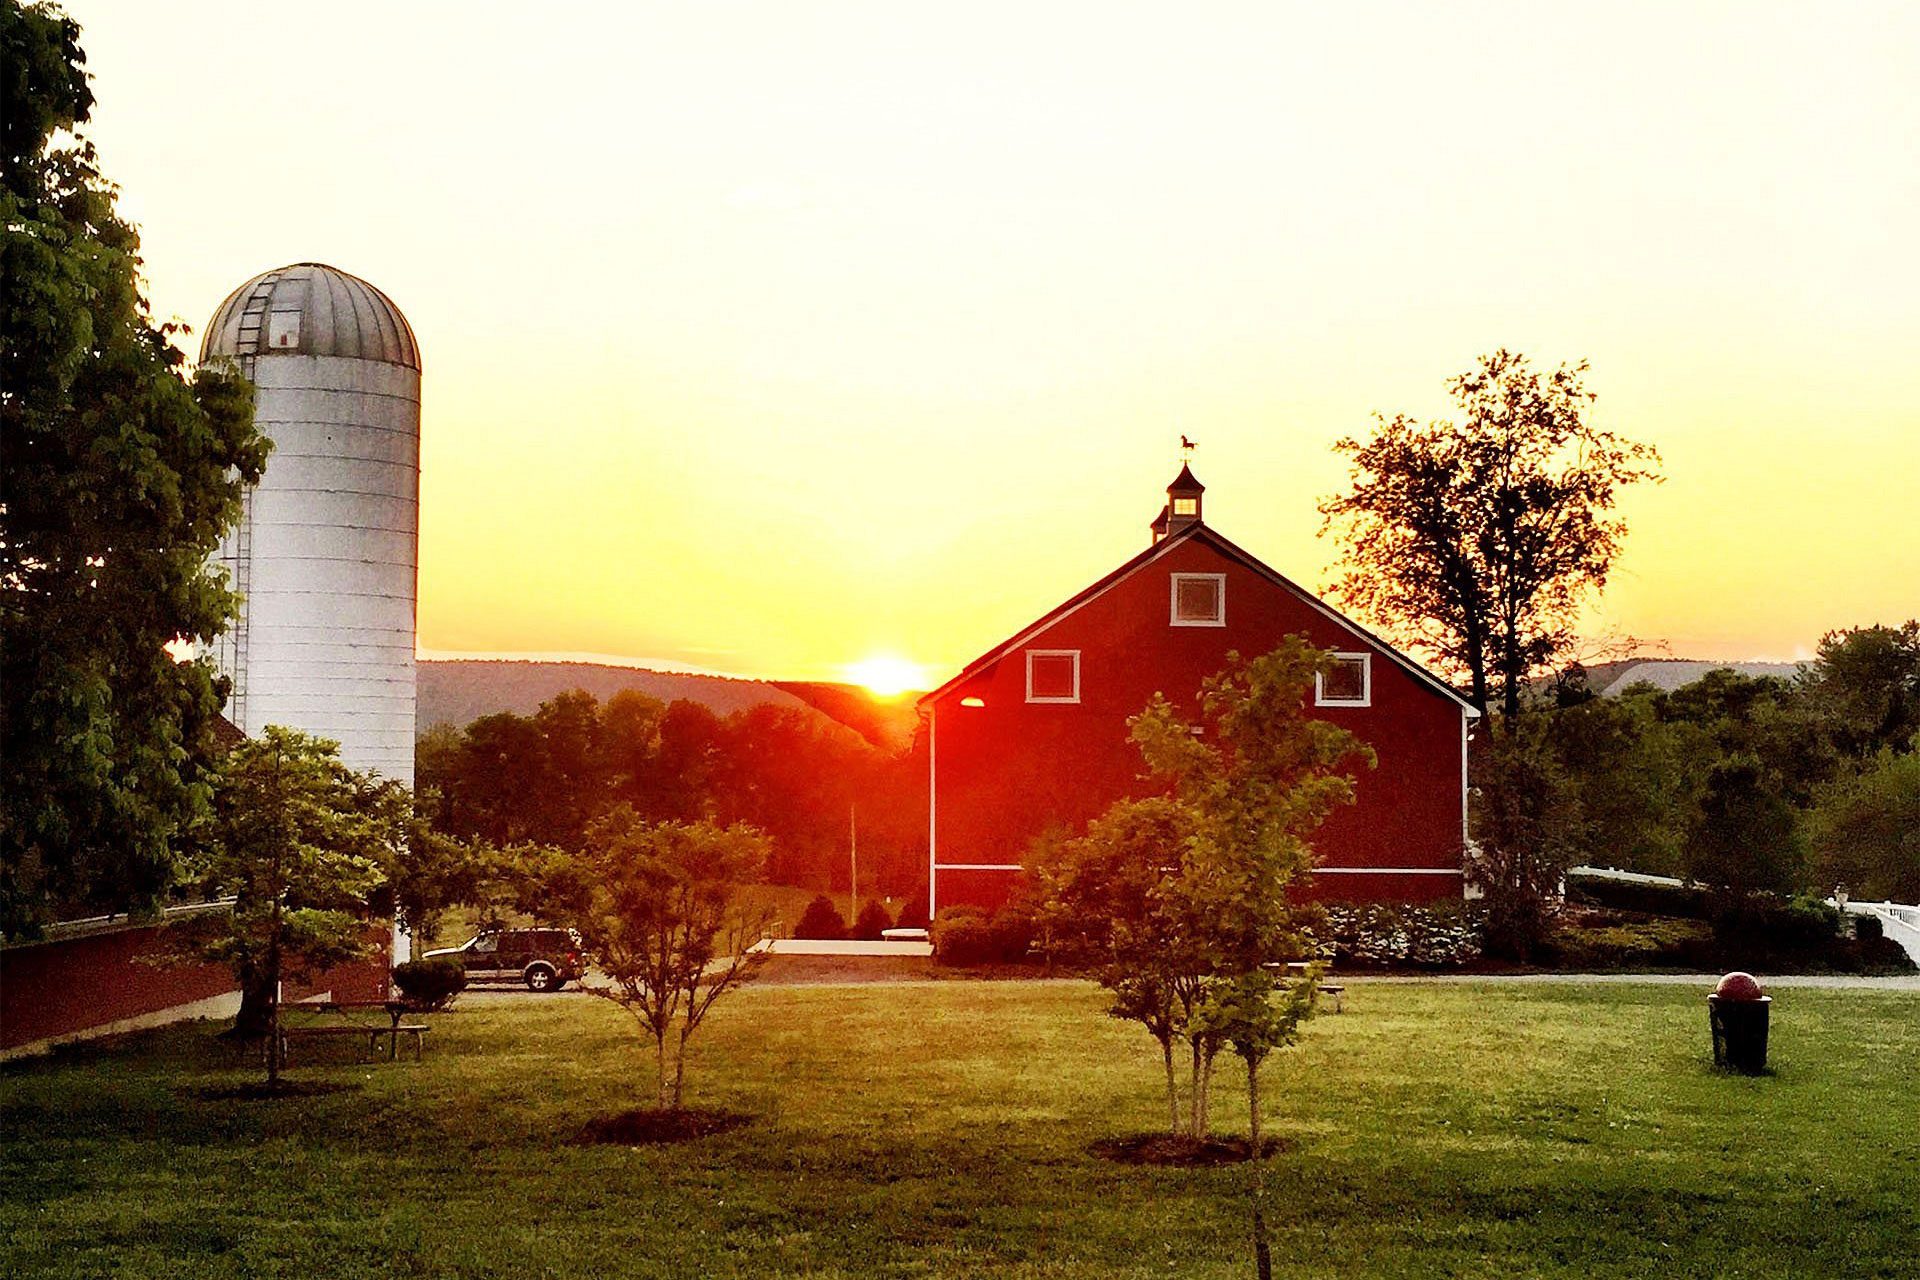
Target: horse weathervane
[1186,448]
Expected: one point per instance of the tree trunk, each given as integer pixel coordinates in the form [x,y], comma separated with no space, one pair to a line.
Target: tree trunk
[255,1015]
[1196,1097]
[1511,670]
[679,1068]
[1206,1095]
[1262,1253]
[1173,1091]
[660,1067]
[276,1043]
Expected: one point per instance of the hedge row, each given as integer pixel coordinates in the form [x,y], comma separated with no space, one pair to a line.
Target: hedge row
[966,936]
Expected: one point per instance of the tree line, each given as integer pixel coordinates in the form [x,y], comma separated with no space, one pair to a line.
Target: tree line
[1758,783]
[796,776]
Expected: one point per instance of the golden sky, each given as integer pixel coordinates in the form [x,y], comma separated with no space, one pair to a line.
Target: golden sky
[768,337]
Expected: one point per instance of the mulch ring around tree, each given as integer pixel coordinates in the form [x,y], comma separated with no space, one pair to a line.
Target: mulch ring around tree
[639,1128]
[1180,1151]
[261,1091]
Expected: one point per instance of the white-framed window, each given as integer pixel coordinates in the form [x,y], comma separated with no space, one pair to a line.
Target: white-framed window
[1199,600]
[1053,675]
[1349,684]
[1186,506]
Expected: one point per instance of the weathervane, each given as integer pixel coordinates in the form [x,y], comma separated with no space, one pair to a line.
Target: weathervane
[1186,448]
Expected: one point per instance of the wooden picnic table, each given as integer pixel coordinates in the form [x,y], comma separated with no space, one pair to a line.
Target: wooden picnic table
[395,1010]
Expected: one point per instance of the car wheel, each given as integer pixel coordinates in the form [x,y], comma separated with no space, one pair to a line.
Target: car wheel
[540,977]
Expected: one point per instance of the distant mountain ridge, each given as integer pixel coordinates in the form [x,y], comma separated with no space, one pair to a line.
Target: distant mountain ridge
[1611,679]
[458,691]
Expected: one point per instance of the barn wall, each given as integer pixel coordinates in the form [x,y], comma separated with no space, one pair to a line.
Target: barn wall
[1010,770]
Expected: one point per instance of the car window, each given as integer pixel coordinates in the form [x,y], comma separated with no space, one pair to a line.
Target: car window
[486,944]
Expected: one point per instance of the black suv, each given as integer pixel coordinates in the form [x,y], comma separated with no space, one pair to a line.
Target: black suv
[544,959]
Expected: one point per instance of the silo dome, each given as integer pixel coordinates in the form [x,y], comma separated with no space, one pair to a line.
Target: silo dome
[311,309]
[325,555]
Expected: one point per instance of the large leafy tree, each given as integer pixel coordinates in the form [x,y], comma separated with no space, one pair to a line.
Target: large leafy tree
[121,473]
[1476,539]
[1866,688]
[1865,829]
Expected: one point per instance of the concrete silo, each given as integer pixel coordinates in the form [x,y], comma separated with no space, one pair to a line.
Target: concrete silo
[326,553]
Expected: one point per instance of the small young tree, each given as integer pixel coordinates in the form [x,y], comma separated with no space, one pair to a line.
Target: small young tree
[1100,901]
[654,904]
[300,841]
[1256,1013]
[1179,893]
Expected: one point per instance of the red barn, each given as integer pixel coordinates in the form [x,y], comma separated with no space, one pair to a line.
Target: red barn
[1033,734]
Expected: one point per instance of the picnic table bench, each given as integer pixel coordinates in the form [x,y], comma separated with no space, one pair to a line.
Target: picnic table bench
[1298,969]
[395,1010]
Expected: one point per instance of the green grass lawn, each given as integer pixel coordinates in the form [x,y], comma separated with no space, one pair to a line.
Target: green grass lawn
[940,1129]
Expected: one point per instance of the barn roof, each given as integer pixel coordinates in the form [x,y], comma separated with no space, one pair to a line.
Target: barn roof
[1198,533]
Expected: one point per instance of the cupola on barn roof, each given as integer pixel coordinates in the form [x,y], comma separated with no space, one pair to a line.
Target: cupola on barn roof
[311,309]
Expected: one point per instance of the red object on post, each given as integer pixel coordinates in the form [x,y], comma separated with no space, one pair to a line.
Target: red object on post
[1739,986]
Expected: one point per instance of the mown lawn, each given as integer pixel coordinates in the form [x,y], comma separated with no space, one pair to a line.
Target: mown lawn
[940,1129]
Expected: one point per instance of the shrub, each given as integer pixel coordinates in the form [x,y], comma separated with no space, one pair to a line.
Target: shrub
[1868,928]
[1383,935]
[1683,901]
[965,936]
[1660,943]
[913,910]
[430,984]
[821,919]
[1772,927]
[872,921]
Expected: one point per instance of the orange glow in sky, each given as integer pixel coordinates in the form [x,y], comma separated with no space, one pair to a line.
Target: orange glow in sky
[763,338]
[887,675]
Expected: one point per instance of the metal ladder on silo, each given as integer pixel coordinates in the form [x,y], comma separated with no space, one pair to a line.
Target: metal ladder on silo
[250,341]
[242,625]
[253,316]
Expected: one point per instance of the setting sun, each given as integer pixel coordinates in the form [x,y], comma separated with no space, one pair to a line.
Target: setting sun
[887,675]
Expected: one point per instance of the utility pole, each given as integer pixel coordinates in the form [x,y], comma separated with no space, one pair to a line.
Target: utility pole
[853,857]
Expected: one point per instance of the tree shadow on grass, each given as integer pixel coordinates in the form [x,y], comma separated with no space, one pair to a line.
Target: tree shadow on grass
[261,1091]
[658,1125]
[1180,1151]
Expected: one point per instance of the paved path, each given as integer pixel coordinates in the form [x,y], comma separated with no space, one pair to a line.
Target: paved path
[837,947]
[1704,981]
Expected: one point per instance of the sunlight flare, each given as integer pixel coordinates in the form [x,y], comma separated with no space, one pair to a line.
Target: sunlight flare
[887,675]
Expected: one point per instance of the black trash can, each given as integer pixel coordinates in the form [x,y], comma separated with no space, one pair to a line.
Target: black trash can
[1737,1014]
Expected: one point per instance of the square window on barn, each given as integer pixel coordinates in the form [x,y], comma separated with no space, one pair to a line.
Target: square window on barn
[1199,600]
[1053,675]
[1349,684]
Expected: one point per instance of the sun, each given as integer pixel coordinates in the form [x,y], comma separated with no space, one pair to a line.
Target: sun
[885,675]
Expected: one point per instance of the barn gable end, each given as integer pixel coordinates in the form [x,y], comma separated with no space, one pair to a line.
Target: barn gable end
[1032,736]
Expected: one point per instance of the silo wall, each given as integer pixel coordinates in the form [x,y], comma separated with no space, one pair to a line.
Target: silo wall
[327,559]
